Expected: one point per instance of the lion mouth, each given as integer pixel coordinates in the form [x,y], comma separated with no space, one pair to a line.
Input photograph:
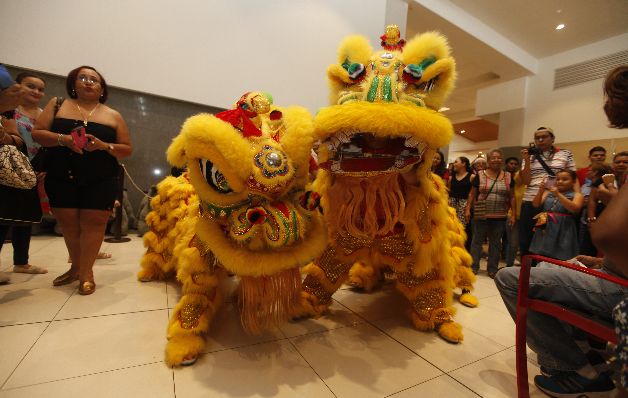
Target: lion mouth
[361,152]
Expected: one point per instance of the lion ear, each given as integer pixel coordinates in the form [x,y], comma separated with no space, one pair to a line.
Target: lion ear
[430,67]
[353,57]
[176,152]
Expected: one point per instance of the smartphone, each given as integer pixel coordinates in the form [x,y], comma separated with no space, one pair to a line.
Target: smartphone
[80,137]
[6,80]
[550,182]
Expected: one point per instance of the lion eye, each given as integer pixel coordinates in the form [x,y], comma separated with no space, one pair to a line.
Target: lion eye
[213,176]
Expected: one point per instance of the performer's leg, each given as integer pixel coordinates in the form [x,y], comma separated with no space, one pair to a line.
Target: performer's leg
[192,315]
[323,277]
[430,300]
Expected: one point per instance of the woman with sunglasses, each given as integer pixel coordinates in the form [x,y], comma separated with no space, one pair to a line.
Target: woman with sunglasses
[85,139]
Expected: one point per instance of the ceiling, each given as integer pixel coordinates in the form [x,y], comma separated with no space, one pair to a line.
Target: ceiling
[530,25]
[477,130]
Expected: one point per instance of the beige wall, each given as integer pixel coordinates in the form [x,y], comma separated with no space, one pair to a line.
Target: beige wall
[580,149]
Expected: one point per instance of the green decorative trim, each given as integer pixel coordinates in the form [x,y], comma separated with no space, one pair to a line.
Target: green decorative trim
[222,211]
[373,89]
[387,89]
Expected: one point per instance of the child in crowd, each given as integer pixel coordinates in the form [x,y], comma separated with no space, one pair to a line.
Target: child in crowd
[556,231]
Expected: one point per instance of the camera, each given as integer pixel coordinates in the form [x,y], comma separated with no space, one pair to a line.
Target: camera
[533,150]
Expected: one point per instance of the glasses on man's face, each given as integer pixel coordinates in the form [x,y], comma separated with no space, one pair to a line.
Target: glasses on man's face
[541,137]
[88,79]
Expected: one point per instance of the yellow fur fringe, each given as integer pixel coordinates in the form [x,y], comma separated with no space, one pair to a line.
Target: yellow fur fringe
[268,301]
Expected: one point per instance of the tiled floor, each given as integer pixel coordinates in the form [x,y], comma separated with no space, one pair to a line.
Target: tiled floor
[56,343]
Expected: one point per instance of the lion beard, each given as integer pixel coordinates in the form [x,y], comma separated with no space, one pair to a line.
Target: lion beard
[365,206]
[268,301]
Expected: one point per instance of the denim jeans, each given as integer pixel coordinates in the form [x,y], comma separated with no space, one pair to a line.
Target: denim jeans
[512,243]
[550,338]
[21,240]
[494,229]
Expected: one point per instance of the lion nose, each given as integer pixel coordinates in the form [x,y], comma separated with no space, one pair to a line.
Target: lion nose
[256,215]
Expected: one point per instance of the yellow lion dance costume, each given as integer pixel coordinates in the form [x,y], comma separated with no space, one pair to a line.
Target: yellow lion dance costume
[382,205]
[245,212]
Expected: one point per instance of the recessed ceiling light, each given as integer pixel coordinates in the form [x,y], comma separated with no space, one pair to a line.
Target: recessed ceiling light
[463,131]
[443,109]
[560,26]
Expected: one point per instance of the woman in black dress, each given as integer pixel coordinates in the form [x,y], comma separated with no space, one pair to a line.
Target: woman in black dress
[85,139]
[459,187]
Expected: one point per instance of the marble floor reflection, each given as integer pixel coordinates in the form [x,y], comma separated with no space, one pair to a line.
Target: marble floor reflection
[56,343]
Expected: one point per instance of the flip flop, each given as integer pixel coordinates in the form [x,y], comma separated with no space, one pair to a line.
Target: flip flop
[100,256]
[29,269]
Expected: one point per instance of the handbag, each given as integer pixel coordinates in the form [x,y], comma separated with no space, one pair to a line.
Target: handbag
[15,169]
[479,207]
[541,218]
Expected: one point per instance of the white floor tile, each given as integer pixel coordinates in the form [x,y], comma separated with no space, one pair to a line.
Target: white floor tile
[496,303]
[265,370]
[337,316]
[15,341]
[361,361]
[147,381]
[434,349]
[88,351]
[226,331]
[440,387]
[83,346]
[495,376]
[23,305]
[484,286]
[116,299]
[488,322]
[382,303]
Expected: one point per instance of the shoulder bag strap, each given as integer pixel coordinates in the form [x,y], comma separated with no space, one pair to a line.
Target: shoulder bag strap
[58,104]
[545,166]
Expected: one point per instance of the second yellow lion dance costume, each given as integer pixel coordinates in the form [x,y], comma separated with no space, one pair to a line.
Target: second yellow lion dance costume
[382,205]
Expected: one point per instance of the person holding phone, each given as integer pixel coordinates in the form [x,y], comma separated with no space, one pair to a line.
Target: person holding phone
[540,160]
[556,231]
[84,140]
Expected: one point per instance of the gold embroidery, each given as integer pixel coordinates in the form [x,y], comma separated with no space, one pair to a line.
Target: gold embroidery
[426,302]
[409,279]
[312,286]
[395,246]
[189,315]
[332,268]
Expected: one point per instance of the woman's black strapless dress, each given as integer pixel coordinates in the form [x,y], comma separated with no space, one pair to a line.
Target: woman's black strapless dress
[82,181]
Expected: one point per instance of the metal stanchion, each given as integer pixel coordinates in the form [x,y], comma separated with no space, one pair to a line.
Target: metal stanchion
[117,224]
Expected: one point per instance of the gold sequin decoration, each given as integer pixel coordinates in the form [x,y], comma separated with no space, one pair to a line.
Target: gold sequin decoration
[313,287]
[395,246]
[442,316]
[426,302]
[206,253]
[409,279]
[332,268]
[425,224]
[189,315]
